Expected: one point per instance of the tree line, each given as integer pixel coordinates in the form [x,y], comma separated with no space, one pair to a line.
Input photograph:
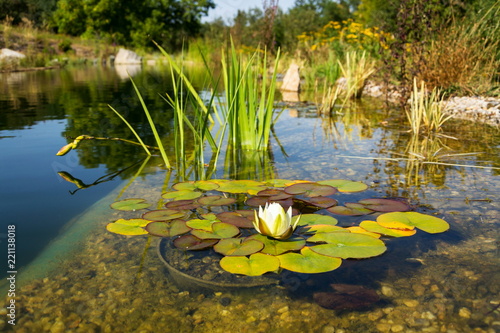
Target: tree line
[172,23]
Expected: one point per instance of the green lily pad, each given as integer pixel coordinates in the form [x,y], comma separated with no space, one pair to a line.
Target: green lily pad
[321,202]
[167,229]
[310,219]
[308,262]
[240,186]
[351,209]
[310,189]
[427,223]
[276,247]
[347,245]
[373,226]
[216,200]
[130,204]
[236,219]
[279,182]
[385,205]
[256,265]
[321,228]
[130,227]
[182,204]
[190,242]
[203,185]
[359,230]
[163,215]
[344,185]
[181,195]
[219,230]
[238,246]
[201,224]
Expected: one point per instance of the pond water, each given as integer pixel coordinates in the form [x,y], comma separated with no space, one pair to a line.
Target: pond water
[71,275]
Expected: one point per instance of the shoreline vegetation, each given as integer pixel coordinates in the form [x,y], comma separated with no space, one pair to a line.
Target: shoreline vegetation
[355,52]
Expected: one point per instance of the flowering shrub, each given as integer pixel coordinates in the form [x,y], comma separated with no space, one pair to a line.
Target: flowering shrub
[346,33]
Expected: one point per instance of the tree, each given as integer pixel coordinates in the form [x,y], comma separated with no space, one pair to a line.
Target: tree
[168,22]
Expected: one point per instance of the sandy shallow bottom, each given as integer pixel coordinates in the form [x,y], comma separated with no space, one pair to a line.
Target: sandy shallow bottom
[117,283]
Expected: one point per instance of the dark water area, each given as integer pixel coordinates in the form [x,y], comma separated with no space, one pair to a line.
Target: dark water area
[75,276]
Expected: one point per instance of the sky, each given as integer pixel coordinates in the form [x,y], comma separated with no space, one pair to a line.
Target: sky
[227,9]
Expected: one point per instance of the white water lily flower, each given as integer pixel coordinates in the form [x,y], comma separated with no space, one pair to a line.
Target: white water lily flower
[272,221]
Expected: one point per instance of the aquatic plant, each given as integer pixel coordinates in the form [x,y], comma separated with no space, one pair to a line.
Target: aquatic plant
[356,68]
[425,111]
[221,214]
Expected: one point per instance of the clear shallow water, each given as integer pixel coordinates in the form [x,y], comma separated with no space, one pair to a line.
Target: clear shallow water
[432,283]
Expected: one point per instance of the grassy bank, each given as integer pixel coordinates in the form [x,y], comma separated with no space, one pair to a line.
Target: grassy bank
[44,49]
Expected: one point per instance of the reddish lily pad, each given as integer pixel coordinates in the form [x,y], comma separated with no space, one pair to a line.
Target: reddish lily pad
[375,227]
[310,189]
[385,205]
[167,229]
[274,194]
[190,242]
[347,245]
[203,185]
[130,227]
[238,246]
[130,204]
[321,202]
[277,247]
[311,219]
[216,200]
[427,223]
[182,204]
[163,215]
[344,185]
[219,230]
[256,265]
[351,209]
[308,262]
[236,219]
[257,201]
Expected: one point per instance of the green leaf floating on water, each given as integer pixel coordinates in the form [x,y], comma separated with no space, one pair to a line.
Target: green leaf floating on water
[344,185]
[163,215]
[311,219]
[347,245]
[130,204]
[238,246]
[219,230]
[182,195]
[240,186]
[276,247]
[373,226]
[203,185]
[167,229]
[256,265]
[130,227]
[201,224]
[310,189]
[427,223]
[321,228]
[308,261]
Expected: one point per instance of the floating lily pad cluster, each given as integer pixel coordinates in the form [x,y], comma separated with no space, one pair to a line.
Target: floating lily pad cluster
[218,215]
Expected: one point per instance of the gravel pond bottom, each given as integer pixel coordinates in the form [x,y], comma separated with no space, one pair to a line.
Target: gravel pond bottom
[114,283]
